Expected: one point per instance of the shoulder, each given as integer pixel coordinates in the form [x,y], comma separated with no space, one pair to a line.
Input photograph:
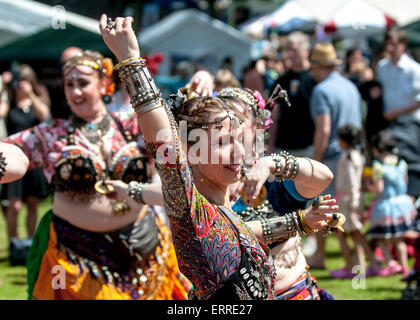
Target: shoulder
[412,65]
[383,63]
[356,157]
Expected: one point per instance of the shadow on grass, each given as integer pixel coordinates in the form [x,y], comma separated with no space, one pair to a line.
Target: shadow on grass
[17,278]
[333,254]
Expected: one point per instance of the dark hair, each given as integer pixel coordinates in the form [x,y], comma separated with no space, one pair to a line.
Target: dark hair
[198,110]
[396,33]
[24,72]
[384,142]
[349,53]
[350,134]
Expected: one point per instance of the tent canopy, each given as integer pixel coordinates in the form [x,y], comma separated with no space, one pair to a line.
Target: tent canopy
[287,18]
[50,43]
[25,17]
[194,36]
[357,19]
[404,12]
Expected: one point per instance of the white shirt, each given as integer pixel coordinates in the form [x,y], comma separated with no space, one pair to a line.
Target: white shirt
[117,104]
[401,84]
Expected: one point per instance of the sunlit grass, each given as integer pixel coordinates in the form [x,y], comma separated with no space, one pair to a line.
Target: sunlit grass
[13,279]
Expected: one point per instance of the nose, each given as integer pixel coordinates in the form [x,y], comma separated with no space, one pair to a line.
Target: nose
[237,152]
[77,91]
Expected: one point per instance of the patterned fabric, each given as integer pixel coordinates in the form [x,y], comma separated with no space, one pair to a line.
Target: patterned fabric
[304,288]
[393,212]
[93,271]
[206,244]
[44,144]
[88,263]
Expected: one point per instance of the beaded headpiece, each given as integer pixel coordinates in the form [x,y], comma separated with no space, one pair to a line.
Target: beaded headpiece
[175,103]
[253,100]
[96,61]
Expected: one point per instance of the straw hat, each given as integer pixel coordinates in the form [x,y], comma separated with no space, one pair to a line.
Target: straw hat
[324,54]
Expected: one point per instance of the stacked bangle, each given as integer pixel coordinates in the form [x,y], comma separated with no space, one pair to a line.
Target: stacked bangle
[291,167]
[144,95]
[3,165]
[135,191]
[131,61]
[303,223]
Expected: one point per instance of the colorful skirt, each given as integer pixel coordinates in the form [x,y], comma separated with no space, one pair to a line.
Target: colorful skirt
[304,288]
[66,262]
[392,217]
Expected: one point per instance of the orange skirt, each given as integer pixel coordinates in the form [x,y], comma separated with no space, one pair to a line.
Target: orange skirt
[65,275]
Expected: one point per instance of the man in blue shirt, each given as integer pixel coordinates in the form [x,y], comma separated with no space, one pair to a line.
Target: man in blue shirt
[335,101]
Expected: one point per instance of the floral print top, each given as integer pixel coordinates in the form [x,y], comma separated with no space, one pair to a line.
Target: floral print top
[206,243]
[43,144]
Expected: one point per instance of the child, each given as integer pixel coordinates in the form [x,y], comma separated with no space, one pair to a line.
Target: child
[393,213]
[348,184]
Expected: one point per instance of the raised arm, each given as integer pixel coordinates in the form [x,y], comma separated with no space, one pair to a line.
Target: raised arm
[156,121]
[123,43]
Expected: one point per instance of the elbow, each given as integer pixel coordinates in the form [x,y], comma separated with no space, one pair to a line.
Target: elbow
[329,176]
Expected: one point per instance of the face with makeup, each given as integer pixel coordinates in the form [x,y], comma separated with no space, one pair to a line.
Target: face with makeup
[249,126]
[84,89]
[218,156]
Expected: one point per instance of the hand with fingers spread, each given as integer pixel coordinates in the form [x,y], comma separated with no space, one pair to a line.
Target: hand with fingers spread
[317,217]
[120,37]
[202,83]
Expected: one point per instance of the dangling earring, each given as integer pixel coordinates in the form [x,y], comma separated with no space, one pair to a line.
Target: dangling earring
[244,172]
[106,98]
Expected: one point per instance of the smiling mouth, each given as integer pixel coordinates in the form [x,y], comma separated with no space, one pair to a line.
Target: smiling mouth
[79,101]
[234,168]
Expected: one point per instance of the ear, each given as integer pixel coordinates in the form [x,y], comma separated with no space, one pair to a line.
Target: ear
[103,86]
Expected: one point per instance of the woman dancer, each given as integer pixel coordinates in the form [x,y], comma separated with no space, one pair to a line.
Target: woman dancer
[215,249]
[293,280]
[94,244]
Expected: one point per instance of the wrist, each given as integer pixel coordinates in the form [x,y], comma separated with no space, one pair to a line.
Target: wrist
[129,55]
[135,191]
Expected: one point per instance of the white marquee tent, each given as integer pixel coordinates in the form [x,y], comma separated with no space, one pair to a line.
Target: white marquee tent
[357,19]
[21,18]
[194,36]
[288,17]
[403,11]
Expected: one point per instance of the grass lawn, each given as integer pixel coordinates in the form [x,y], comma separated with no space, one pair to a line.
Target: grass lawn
[13,279]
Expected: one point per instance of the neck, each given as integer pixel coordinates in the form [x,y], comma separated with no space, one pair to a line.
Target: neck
[210,190]
[395,59]
[97,117]
[301,66]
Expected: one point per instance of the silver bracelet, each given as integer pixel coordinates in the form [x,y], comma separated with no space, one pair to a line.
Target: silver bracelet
[135,191]
[277,160]
[281,228]
[3,165]
[291,167]
[140,86]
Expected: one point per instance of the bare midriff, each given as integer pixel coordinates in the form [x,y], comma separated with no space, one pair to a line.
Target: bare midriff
[286,276]
[94,215]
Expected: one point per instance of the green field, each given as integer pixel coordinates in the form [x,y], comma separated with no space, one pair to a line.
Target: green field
[13,279]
